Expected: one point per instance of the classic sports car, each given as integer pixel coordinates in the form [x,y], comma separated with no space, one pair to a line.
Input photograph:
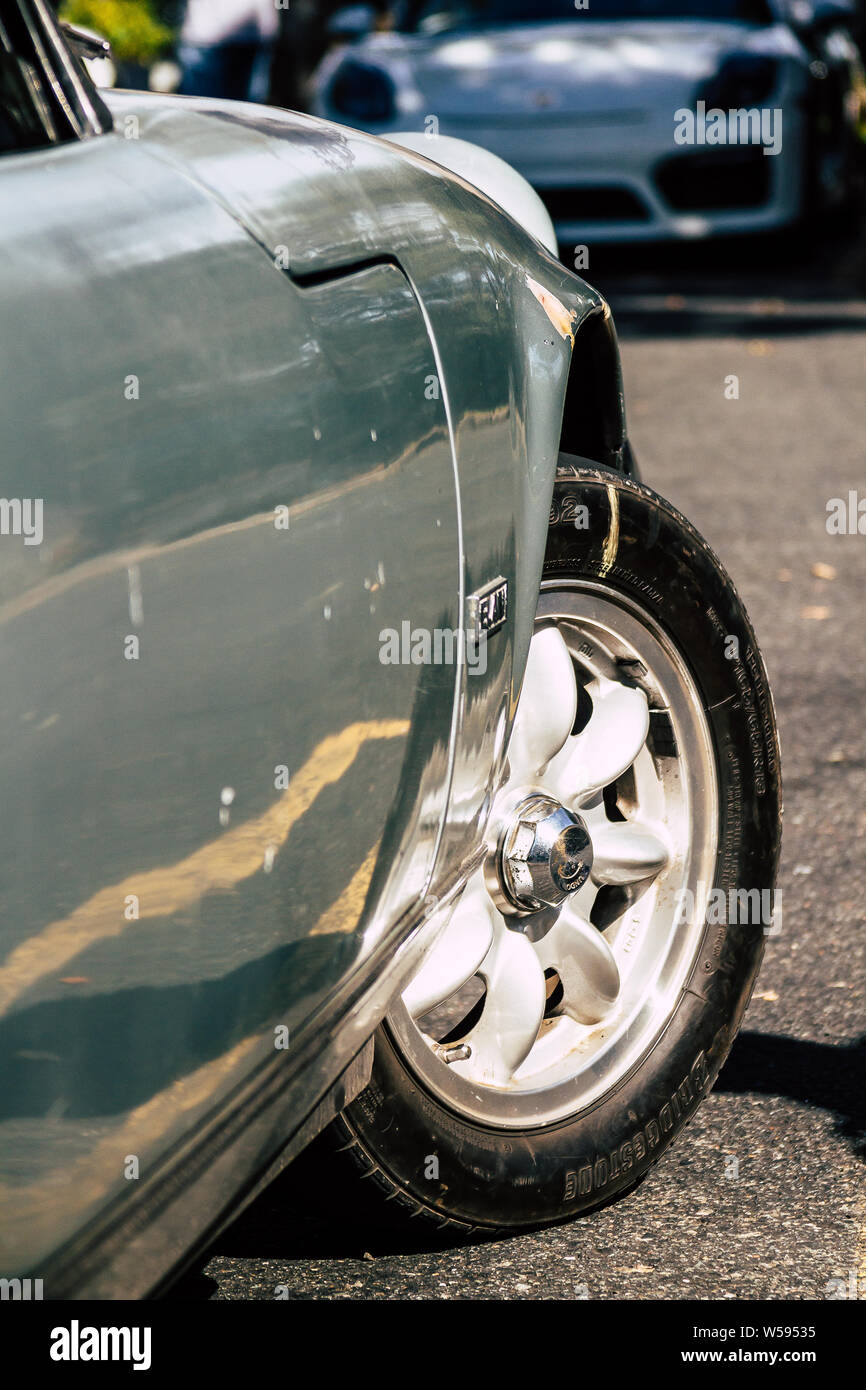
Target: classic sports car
[375,743]
[636,120]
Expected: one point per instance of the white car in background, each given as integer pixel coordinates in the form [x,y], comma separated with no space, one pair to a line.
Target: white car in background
[588,103]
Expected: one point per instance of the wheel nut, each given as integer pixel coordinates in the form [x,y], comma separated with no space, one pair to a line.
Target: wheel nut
[546,855]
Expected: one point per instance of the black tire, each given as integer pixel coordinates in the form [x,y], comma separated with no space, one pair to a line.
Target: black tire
[491,1178]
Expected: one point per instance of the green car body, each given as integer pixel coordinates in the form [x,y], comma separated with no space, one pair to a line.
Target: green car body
[280,389]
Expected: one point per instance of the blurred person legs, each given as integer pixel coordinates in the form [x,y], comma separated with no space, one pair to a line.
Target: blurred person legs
[234,71]
[226,48]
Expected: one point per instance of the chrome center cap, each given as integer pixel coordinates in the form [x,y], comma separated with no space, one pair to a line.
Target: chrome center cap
[546,855]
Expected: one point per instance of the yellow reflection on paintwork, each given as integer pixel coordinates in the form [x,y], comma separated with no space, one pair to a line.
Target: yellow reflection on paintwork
[92,1175]
[215,868]
[345,914]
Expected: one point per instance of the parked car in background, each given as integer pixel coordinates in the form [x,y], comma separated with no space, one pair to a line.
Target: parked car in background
[381,755]
[592,106]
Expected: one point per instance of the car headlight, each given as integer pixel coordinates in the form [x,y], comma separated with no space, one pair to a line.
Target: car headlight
[363,93]
[744,79]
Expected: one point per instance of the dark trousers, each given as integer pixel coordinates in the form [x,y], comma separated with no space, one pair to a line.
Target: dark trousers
[235,71]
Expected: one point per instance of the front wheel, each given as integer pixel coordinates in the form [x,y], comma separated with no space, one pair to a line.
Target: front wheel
[589,985]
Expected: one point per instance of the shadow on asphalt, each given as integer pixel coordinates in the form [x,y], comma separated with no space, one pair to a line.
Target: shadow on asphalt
[751,288]
[302,1217]
[813,1074]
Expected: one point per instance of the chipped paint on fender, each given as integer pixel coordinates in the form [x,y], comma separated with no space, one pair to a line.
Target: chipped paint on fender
[564,320]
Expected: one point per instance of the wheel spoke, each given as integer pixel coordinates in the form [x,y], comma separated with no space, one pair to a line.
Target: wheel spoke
[513,1009]
[567,1006]
[626,853]
[607,747]
[585,965]
[457,954]
[547,708]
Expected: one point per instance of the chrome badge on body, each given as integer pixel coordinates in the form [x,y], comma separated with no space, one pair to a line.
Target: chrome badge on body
[488,609]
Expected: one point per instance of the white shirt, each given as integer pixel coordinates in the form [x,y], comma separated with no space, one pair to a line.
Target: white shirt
[215,21]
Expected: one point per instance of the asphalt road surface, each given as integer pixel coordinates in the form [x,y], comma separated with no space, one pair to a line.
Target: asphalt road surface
[764,1195]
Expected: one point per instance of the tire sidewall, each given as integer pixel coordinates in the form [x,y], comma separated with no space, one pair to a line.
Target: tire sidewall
[632,541]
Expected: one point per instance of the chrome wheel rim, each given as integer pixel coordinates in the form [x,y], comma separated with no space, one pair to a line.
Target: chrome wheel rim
[523,1015]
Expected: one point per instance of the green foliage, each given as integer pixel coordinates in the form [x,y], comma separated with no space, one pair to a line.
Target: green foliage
[135,33]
